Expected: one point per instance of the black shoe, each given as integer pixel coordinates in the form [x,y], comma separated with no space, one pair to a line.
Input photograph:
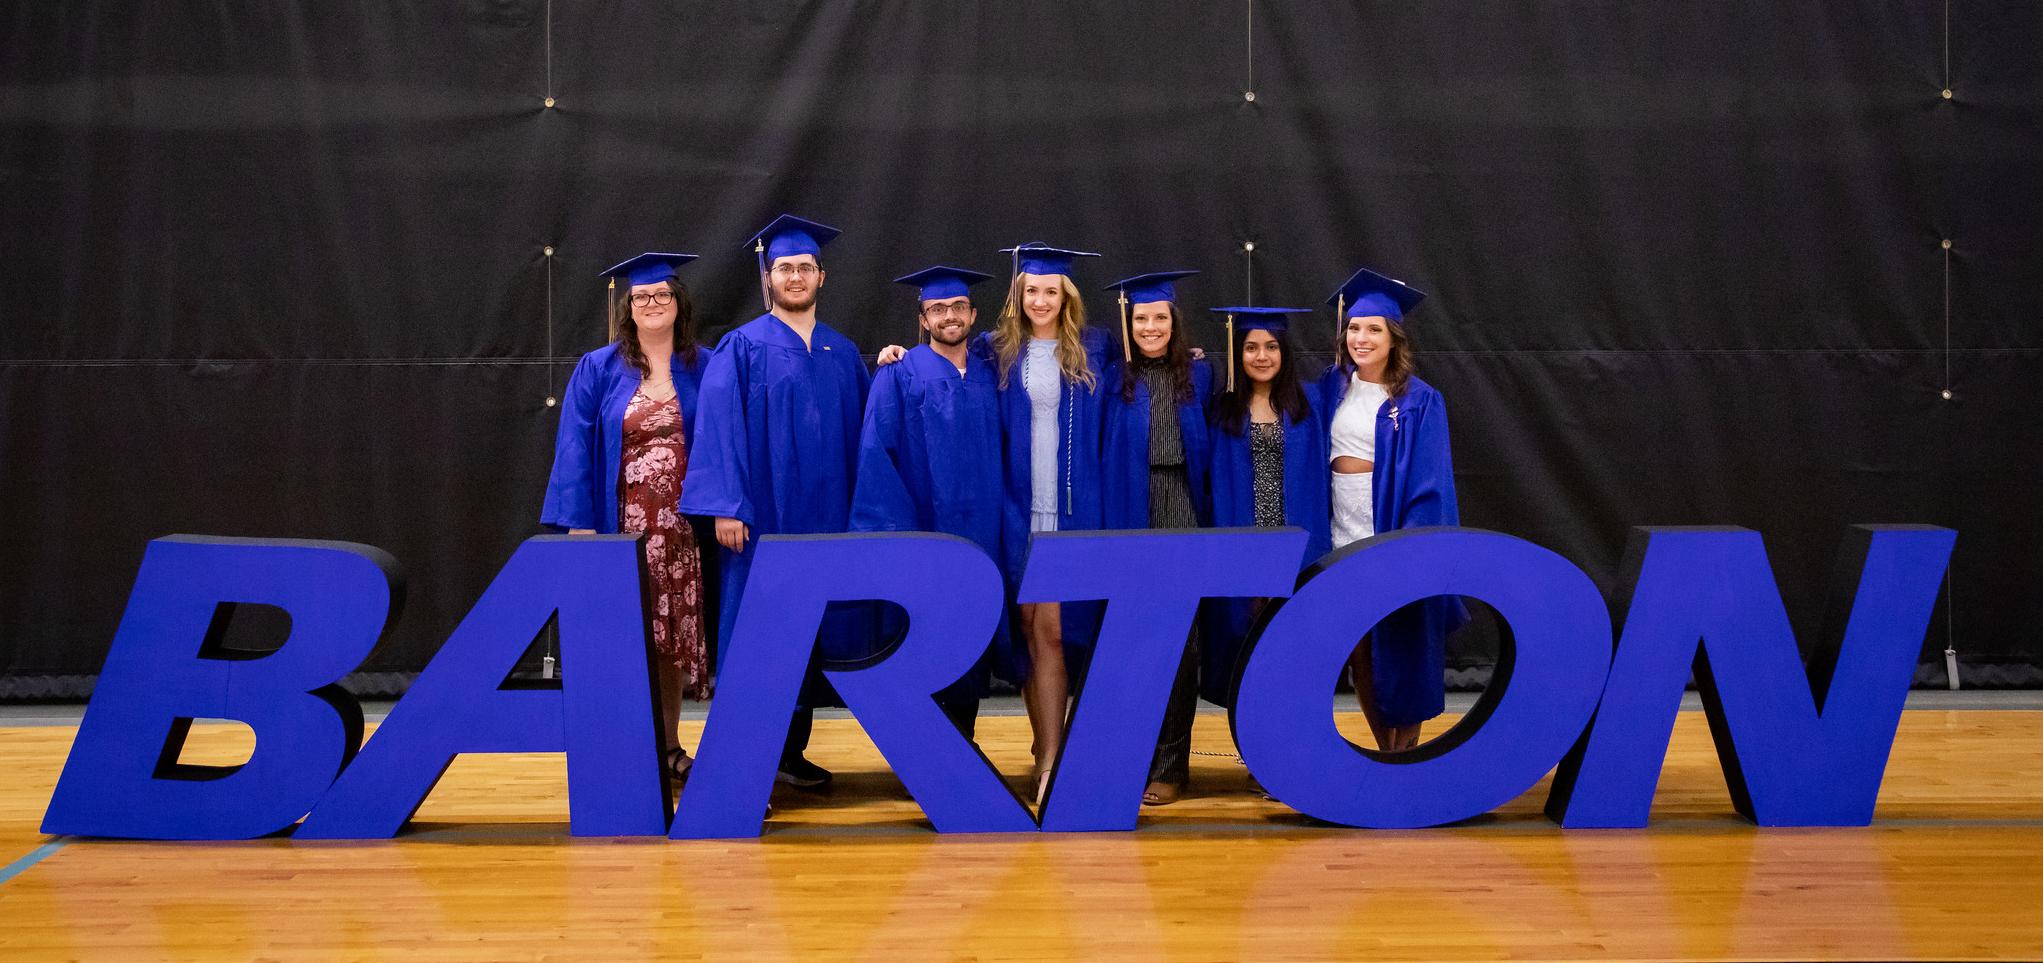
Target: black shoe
[679,765]
[803,774]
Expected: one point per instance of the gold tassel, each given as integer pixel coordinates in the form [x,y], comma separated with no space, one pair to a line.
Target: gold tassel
[1230,353]
[1127,334]
[1340,327]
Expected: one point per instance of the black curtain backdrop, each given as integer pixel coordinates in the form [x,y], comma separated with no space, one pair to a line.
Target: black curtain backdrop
[314,270]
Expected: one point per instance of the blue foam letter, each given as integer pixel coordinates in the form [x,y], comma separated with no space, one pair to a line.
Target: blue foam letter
[1792,757]
[1152,583]
[602,714]
[166,668]
[952,594]
[1544,690]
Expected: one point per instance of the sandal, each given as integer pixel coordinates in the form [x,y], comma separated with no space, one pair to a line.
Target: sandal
[1042,786]
[679,764]
[1162,794]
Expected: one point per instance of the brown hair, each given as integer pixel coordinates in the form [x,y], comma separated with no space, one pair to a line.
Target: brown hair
[1011,333]
[1398,371]
[624,330]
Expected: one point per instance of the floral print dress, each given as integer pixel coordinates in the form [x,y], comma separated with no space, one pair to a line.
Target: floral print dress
[648,494]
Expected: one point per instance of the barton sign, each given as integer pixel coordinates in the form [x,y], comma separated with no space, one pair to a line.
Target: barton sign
[1801,744]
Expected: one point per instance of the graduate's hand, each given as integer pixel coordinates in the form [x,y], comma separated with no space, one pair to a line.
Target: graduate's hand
[731,534]
[891,353]
[1198,353]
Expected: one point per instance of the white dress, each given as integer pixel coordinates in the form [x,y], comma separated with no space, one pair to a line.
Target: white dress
[1043,380]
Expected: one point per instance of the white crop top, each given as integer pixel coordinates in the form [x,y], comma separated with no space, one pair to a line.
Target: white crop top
[1354,432]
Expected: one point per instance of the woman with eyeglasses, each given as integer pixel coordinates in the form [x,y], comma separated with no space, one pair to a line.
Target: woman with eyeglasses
[627,424]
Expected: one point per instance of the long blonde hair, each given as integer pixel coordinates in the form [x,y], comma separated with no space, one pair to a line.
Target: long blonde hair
[1011,332]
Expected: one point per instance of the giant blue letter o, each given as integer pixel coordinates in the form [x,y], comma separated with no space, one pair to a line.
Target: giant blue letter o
[1545,689]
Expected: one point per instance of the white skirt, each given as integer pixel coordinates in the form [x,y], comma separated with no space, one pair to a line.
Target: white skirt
[1354,507]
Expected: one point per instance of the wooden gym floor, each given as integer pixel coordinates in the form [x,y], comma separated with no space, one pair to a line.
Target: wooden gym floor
[1951,869]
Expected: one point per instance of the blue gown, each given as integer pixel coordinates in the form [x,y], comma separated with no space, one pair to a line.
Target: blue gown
[929,461]
[776,447]
[1124,454]
[1079,503]
[588,448]
[1413,487]
[1307,505]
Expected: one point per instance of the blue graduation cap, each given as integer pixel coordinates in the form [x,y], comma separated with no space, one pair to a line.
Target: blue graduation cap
[940,282]
[651,267]
[1368,294]
[788,236]
[1145,288]
[1035,257]
[1273,320]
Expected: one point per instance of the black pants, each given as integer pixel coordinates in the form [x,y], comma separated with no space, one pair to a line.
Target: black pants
[1172,763]
[962,708]
[797,736]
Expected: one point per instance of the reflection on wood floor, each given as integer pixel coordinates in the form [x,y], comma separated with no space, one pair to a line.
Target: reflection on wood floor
[1948,870]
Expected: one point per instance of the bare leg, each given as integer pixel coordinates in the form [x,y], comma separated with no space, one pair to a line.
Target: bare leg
[1049,686]
[1364,677]
[670,705]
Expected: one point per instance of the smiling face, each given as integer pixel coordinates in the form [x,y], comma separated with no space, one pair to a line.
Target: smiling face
[652,307]
[795,279]
[1042,297]
[949,320]
[1368,342]
[1261,356]
[1151,323]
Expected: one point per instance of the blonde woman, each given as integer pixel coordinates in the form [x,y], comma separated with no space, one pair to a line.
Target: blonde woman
[1048,362]
[1048,366]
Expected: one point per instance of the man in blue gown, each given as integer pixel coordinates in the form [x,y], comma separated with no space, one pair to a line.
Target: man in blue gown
[929,454]
[776,448]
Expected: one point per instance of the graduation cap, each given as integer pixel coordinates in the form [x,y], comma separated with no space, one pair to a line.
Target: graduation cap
[1273,320]
[651,267]
[1371,295]
[940,282]
[1144,289]
[1035,257]
[788,236]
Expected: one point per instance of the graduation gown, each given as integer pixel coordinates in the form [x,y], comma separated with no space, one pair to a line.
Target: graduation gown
[1307,490]
[1124,455]
[1413,487]
[776,447]
[588,448]
[1079,503]
[929,461]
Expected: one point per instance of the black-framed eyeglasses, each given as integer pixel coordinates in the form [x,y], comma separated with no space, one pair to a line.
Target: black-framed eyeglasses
[962,309]
[645,298]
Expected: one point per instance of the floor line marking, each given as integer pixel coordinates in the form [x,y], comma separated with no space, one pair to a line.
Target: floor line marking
[34,856]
